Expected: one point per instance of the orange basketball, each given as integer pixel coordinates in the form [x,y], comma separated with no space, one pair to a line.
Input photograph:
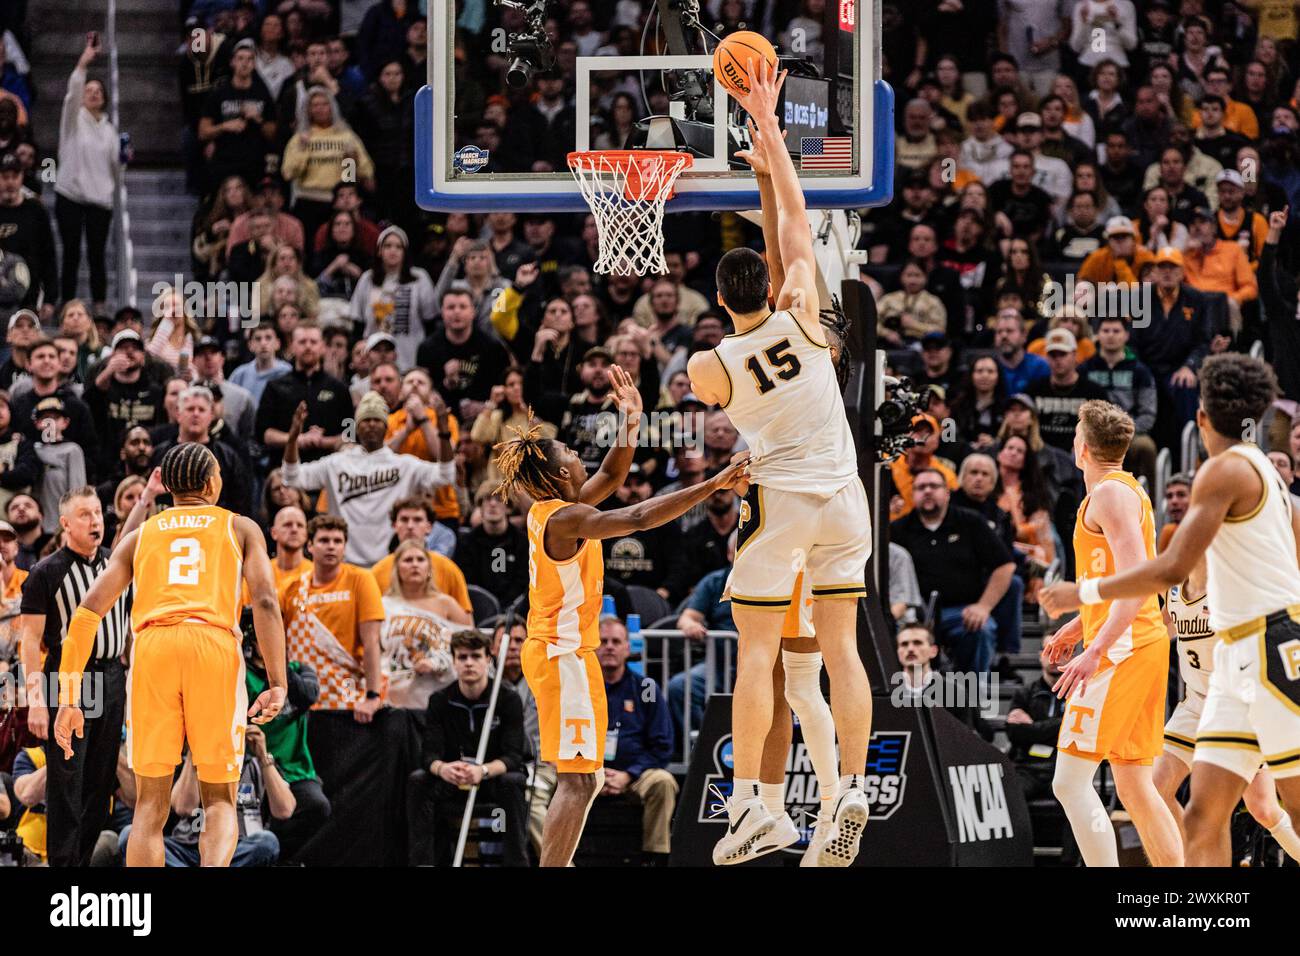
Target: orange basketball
[736,55]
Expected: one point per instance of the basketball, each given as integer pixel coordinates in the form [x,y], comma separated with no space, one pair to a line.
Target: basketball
[734,58]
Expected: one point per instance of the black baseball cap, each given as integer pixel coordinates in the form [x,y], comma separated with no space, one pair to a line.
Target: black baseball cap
[934,340]
[10,163]
[598,351]
[49,406]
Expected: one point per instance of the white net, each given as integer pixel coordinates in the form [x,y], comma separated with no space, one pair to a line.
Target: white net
[626,190]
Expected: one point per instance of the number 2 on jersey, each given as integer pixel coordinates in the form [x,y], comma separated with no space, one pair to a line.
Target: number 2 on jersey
[184,566]
[787,366]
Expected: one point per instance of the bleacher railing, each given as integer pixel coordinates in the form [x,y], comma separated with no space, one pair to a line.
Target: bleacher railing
[126,274]
[716,647]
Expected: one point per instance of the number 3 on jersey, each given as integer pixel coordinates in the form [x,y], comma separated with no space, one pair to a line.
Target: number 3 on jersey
[184,565]
[787,366]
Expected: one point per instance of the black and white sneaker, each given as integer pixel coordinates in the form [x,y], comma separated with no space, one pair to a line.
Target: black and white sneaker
[749,823]
[851,813]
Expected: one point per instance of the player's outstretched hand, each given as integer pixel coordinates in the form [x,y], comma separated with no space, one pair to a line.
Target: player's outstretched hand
[1060,646]
[625,393]
[1059,598]
[735,475]
[268,705]
[69,721]
[757,156]
[765,82]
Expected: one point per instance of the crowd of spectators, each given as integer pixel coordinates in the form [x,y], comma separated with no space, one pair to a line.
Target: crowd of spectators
[1041,145]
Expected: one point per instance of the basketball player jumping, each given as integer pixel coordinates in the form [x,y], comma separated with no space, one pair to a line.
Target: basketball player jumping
[796,679]
[1242,520]
[1188,615]
[566,572]
[805,510]
[1116,687]
[187,663]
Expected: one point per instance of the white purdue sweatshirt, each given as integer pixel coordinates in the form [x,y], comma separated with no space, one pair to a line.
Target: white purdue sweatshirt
[362,486]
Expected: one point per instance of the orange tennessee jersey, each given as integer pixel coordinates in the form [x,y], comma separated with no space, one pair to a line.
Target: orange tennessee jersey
[1093,559]
[564,597]
[188,568]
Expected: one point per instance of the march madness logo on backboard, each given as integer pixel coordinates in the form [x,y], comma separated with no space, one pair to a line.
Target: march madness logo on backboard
[885,782]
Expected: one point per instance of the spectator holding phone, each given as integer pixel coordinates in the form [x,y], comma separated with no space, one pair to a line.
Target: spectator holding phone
[89,166]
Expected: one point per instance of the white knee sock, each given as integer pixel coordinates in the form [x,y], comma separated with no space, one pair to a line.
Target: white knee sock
[1072,785]
[773,795]
[1284,833]
[803,691]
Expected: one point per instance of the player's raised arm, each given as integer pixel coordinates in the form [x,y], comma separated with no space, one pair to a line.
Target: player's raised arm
[267,621]
[613,470]
[798,292]
[580,522]
[759,161]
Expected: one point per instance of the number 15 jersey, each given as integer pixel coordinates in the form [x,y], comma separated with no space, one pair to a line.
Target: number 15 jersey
[786,404]
[188,568]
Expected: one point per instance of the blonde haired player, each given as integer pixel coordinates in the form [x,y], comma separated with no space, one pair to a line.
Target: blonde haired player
[805,511]
[566,572]
[186,681]
[1187,613]
[1116,687]
[1242,520]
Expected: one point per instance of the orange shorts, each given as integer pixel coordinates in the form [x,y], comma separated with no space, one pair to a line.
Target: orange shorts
[1121,715]
[186,683]
[571,709]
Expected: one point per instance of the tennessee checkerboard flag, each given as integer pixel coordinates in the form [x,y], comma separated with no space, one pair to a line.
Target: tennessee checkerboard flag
[825,152]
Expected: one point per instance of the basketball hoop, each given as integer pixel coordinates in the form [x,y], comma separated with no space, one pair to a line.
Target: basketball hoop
[626,190]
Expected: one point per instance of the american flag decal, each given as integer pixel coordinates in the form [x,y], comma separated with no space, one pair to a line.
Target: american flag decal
[825,152]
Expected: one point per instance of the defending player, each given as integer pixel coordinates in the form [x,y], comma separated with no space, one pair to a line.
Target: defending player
[187,664]
[566,572]
[1187,613]
[805,511]
[1241,518]
[1116,687]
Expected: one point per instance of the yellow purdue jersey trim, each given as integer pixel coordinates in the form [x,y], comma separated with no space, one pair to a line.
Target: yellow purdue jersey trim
[1282,759]
[731,388]
[736,335]
[1259,505]
[776,603]
[804,332]
[1242,741]
[1179,741]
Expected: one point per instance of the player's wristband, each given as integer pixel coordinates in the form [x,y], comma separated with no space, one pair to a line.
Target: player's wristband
[1090,591]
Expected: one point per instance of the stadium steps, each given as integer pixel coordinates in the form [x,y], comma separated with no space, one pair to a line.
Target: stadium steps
[148,36]
[160,212]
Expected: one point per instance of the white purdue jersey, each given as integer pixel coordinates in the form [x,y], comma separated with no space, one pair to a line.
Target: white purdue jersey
[1252,559]
[786,404]
[1195,639]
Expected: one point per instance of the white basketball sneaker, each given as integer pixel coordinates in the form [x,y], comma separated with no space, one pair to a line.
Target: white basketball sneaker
[749,823]
[851,812]
[785,833]
[823,832]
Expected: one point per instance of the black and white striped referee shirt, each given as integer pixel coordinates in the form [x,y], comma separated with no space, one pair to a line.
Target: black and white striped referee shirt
[56,586]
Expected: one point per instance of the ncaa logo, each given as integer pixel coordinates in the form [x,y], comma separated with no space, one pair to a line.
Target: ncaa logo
[469,159]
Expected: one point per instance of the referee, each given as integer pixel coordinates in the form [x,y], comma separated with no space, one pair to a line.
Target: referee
[77,790]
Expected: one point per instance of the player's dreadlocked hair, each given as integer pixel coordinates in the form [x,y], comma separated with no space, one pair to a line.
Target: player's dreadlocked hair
[1236,391]
[527,462]
[186,467]
[836,324]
